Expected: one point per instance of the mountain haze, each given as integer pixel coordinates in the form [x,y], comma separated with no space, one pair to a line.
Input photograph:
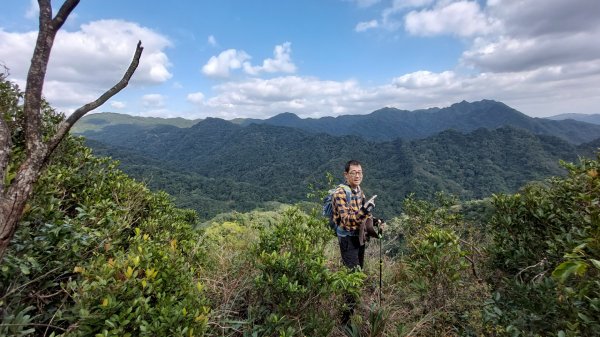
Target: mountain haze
[593,118]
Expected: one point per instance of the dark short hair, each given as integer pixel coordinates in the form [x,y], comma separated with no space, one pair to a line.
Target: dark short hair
[351,163]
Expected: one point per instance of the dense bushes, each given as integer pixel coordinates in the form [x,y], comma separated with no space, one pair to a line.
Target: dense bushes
[547,246]
[97,252]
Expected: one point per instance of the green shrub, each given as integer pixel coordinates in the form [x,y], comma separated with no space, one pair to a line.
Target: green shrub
[84,213]
[295,293]
[547,246]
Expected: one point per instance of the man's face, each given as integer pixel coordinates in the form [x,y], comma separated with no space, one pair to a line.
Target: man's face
[354,176]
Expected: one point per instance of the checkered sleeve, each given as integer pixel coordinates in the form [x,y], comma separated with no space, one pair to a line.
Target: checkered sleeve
[349,216]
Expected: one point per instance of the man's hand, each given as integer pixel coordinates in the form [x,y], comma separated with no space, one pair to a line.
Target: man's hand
[370,204]
[380,223]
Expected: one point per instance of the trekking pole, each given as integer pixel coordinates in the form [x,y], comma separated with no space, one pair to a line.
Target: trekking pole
[380,262]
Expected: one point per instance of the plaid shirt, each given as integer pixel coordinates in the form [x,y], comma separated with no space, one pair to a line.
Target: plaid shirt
[348,216]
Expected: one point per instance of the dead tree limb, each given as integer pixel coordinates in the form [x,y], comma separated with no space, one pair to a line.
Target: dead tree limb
[14,195]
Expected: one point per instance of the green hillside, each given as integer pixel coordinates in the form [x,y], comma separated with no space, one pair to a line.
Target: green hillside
[390,123]
[228,166]
[98,121]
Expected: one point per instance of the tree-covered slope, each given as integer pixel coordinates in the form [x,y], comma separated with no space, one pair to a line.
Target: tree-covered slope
[391,123]
[384,124]
[229,166]
[98,121]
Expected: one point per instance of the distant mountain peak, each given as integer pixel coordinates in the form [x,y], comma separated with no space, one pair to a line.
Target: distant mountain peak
[285,116]
[213,122]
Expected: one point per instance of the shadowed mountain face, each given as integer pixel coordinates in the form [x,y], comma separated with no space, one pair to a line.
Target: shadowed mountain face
[217,166]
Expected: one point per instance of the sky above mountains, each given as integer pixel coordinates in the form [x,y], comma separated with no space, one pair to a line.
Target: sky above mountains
[256,59]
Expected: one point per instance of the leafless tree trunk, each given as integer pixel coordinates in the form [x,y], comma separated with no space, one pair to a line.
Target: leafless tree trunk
[14,196]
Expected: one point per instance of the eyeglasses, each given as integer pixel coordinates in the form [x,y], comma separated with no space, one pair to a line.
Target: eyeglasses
[355,173]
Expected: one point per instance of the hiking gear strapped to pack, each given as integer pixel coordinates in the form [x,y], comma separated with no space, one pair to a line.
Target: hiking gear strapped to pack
[328,204]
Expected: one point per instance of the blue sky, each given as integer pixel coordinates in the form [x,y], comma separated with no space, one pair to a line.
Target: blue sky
[241,58]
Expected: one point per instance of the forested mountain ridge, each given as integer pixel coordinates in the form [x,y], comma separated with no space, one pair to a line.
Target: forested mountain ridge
[228,166]
[98,121]
[389,123]
[588,118]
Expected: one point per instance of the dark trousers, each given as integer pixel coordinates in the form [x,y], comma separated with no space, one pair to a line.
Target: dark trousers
[353,256]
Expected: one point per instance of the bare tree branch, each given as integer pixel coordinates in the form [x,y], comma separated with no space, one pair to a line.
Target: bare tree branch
[5,145]
[63,13]
[66,125]
[14,197]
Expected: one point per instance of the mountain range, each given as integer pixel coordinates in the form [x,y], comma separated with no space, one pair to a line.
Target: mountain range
[390,123]
[588,118]
[217,166]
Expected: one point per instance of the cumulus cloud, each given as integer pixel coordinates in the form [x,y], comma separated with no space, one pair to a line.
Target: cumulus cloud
[424,79]
[303,95]
[462,18]
[86,62]
[221,65]
[153,101]
[195,97]
[117,105]
[556,34]
[532,19]
[526,91]
[282,62]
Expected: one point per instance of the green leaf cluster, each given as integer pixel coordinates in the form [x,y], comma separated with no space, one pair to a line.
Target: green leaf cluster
[547,244]
[295,290]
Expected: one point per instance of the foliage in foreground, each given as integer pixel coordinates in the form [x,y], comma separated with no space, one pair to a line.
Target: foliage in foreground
[547,248]
[97,253]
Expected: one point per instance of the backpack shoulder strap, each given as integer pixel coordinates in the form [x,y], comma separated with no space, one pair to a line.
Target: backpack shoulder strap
[348,191]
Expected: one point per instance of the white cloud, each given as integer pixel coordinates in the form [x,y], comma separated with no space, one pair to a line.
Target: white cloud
[87,62]
[527,91]
[153,101]
[117,105]
[462,18]
[221,65]
[259,97]
[528,18]
[515,54]
[196,97]
[425,79]
[282,62]
[363,26]
[392,16]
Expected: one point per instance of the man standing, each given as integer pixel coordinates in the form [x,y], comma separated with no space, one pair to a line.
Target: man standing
[349,216]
